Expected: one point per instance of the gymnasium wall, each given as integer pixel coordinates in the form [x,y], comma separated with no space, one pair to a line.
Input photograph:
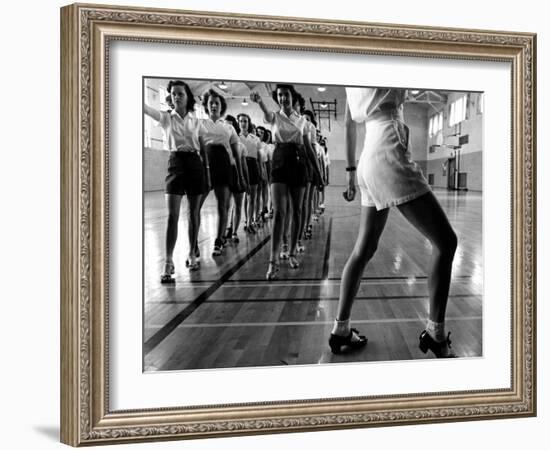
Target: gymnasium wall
[416,116]
[470,163]
[470,154]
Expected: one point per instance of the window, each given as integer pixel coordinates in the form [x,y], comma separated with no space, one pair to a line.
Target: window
[147,140]
[480,103]
[163,94]
[436,124]
[458,110]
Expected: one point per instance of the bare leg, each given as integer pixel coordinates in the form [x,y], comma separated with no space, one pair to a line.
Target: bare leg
[237,211]
[312,208]
[246,209]
[304,216]
[195,203]
[265,198]
[315,200]
[222,196]
[297,200]
[230,211]
[202,199]
[370,229]
[279,199]
[427,216]
[286,224]
[173,203]
[251,200]
[258,200]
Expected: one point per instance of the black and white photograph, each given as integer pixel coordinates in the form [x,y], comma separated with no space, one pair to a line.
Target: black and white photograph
[291,224]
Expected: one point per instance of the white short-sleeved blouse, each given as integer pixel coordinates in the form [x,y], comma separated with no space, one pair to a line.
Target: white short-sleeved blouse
[220,133]
[288,129]
[252,144]
[312,132]
[263,152]
[182,133]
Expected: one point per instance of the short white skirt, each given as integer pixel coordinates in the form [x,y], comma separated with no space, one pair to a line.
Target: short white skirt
[386,175]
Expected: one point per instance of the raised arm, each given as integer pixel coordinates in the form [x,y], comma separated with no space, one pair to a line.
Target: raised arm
[268,115]
[152,112]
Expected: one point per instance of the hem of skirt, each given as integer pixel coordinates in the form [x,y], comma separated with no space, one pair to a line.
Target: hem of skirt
[401,200]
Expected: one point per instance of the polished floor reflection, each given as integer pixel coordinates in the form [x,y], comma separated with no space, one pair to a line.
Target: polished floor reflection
[227,314]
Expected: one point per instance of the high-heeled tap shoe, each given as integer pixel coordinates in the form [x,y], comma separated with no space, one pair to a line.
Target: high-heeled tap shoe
[439,349]
[272,270]
[339,343]
[169,270]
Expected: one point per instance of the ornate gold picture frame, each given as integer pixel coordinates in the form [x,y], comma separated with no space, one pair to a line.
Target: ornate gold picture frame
[87,31]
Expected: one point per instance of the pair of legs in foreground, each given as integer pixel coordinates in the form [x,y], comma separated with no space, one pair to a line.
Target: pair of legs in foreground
[280,193]
[427,216]
[173,202]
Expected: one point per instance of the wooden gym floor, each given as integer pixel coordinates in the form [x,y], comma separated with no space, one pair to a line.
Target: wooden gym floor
[227,315]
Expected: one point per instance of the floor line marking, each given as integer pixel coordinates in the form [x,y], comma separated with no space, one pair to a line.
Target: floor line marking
[309,323]
[260,283]
[324,275]
[199,283]
[176,321]
[314,299]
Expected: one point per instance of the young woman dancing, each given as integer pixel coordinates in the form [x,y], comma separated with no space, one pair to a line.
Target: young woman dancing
[252,145]
[187,170]
[324,162]
[237,190]
[387,177]
[288,169]
[269,152]
[263,186]
[222,144]
[314,179]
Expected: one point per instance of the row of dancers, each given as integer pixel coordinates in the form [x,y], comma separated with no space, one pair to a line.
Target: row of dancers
[239,161]
[385,175]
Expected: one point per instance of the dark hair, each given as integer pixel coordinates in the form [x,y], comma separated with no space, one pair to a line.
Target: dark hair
[229,118]
[249,121]
[264,132]
[212,93]
[307,112]
[190,97]
[268,136]
[290,87]
[301,102]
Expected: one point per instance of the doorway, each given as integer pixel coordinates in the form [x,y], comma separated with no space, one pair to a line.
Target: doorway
[451,173]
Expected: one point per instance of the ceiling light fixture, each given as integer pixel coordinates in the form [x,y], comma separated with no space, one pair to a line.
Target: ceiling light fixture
[321,88]
[222,85]
[244,103]
[415,91]
[323,105]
